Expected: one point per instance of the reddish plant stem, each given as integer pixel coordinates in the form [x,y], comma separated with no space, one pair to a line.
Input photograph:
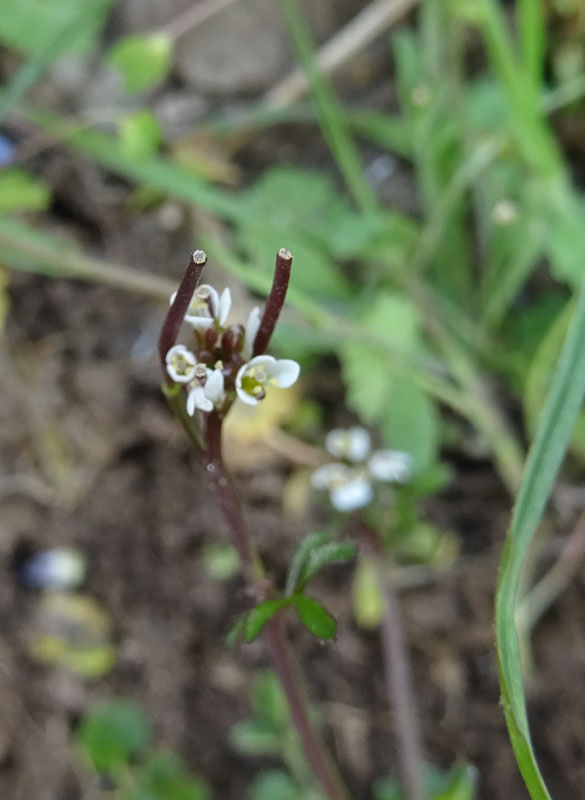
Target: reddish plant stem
[396,669]
[397,672]
[226,495]
[292,686]
[275,301]
[176,313]
[280,655]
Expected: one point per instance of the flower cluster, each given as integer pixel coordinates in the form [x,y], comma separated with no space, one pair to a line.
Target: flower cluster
[349,482]
[220,366]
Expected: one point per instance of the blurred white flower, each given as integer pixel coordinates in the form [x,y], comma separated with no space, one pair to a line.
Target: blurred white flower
[180,364]
[207,307]
[352,444]
[350,485]
[262,371]
[208,395]
[390,465]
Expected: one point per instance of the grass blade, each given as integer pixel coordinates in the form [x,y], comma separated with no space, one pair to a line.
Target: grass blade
[552,437]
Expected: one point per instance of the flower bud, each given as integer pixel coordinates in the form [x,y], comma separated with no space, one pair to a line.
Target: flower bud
[232,339]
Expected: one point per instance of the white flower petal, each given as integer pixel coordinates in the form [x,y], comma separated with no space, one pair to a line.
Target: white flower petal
[285,372]
[330,475]
[214,386]
[196,399]
[390,465]
[352,444]
[356,493]
[225,303]
[252,326]
[199,323]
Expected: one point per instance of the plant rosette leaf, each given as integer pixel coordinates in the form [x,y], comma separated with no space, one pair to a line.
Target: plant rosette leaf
[315,617]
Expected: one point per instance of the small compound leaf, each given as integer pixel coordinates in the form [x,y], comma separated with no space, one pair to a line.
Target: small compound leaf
[113,732]
[259,616]
[314,617]
[326,554]
[309,543]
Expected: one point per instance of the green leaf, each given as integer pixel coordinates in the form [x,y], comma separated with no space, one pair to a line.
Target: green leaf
[27,25]
[255,737]
[411,423]
[314,617]
[164,777]
[368,600]
[394,320]
[539,374]
[326,554]
[259,616]
[274,784]
[113,732]
[553,434]
[297,207]
[143,60]
[310,542]
[269,700]
[140,134]
[19,190]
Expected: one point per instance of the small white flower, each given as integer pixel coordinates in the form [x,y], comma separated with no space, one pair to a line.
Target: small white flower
[390,465]
[356,493]
[180,364]
[205,396]
[207,307]
[330,475]
[349,487]
[352,444]
[262,371]
[252,326]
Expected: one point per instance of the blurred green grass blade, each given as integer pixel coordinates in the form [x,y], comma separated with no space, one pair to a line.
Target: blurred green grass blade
[34,67]
[532,32]
[331,115]
[154,171]
[24,248]
[552,437]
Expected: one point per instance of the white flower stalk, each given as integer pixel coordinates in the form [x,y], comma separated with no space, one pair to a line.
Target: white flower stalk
[208,395]
[352,444]
[262,371]
[181,364]
[349,487]
[390,465]
[252,326]
[207,308]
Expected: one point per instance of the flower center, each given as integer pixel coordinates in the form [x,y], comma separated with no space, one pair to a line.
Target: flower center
[180,364]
